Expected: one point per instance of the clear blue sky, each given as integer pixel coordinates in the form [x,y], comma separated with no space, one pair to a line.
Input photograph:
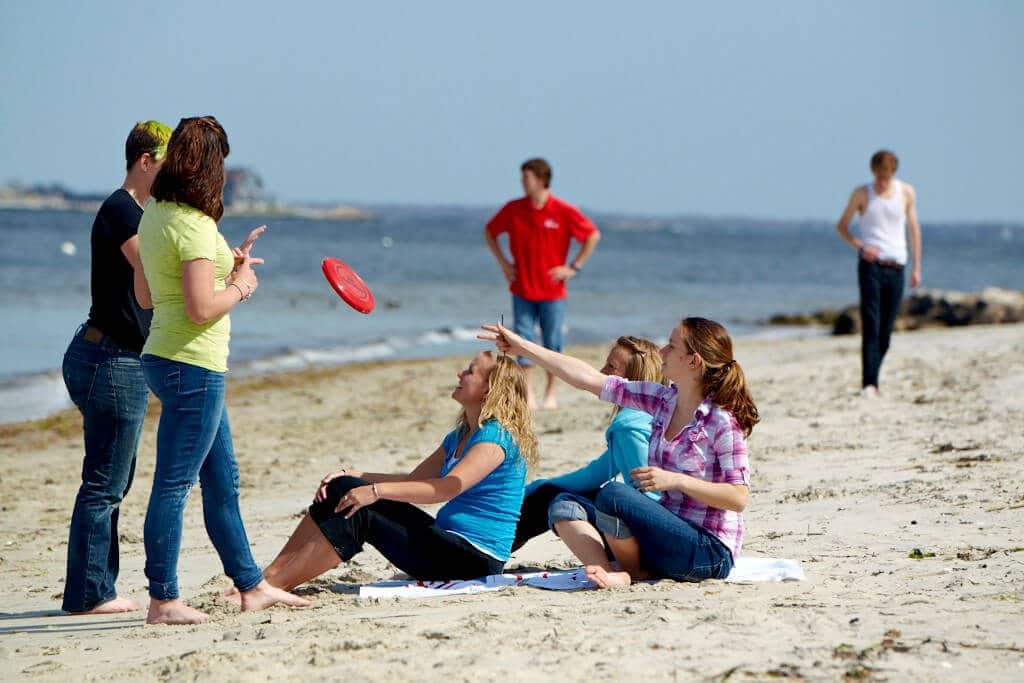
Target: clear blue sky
[766,109]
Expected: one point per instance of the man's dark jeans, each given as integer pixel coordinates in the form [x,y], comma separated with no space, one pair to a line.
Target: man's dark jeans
[881,290]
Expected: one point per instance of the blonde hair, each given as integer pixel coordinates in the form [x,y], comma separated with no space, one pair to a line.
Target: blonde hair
[644,360]
[644,364]
[506,402]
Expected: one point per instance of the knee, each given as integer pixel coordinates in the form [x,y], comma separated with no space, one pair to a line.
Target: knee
[223,492]
[339,486]
[172,489]
[99,495]
[565,509]
[608,498]
[544,494]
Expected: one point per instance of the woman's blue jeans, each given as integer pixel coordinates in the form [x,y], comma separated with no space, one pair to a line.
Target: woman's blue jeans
[193,442]
[106,383]
[669,546]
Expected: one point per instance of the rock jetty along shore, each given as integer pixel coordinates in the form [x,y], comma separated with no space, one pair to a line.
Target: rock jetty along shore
[925,308]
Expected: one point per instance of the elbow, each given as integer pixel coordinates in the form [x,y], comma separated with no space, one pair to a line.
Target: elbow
[594,384]
[196,314]
[143,298]
[446,489]
[584,384]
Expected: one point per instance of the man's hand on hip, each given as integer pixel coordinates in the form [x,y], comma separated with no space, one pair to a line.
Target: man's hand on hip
[561,273]
[870,253]
[509,269]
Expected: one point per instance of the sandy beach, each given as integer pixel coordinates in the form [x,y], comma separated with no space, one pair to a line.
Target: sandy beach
[906,512]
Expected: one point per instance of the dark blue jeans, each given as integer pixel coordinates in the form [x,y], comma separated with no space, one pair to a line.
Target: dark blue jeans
[669,546]
[193,442]
[549,315]
[106,383]
[533,515]
[881,290]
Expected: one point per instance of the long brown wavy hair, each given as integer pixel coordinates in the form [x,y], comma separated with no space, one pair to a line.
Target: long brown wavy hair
[723,379]
[506,402]
[193,173]
[644,364]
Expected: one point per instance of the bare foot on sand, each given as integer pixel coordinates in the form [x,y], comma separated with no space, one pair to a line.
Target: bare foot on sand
[115,606]
[550,402]
[602,578]
[174,612]
[264,595]
[232,596]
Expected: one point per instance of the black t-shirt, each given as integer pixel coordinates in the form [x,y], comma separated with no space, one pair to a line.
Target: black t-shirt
[114,310]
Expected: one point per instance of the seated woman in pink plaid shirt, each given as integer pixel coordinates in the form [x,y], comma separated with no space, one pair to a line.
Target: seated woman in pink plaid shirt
[697,456]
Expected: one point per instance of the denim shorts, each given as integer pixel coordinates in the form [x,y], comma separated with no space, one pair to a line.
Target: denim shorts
[549,315]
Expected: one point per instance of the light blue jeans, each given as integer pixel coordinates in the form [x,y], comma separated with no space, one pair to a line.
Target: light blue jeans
[550,315]
[568,507]
[193,442]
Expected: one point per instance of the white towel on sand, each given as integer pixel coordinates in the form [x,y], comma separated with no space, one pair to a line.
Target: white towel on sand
[746,570]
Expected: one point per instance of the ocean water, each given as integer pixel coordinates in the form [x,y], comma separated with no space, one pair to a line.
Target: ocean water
[435,281]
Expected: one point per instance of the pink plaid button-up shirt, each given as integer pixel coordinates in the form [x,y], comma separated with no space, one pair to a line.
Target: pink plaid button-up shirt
[711,448]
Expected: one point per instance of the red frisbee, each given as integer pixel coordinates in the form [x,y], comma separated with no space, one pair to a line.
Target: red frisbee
[349,286]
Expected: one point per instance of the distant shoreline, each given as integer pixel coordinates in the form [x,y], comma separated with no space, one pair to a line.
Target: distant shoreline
[340,212]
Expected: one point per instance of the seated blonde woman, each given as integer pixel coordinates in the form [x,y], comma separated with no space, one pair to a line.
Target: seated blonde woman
[479,470]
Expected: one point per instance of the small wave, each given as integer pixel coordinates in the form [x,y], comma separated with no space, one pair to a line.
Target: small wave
[42,394]
[447,335]
[38,395]
[30,397]
[426,343]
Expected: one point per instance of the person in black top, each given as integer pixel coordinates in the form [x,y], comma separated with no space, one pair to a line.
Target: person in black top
[103,375]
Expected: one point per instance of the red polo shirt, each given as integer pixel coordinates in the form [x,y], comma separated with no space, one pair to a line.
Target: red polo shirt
[539,240]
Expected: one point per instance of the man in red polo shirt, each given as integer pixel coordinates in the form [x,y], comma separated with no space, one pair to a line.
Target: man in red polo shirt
[540,227]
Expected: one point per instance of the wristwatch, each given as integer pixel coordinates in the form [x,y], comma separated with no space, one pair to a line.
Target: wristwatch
[576,269]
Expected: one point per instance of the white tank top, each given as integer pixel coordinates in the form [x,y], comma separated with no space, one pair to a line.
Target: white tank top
[884,223]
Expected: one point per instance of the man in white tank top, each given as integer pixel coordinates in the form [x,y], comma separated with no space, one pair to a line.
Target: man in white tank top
[888,212]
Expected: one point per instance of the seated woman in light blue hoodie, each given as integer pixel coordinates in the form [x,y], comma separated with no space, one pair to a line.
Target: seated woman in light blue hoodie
[570,496]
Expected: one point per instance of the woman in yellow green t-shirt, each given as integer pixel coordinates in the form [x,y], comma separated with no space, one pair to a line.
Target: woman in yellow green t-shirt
[195,280]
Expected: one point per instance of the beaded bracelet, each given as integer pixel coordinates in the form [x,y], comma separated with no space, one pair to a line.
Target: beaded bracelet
[240,292]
